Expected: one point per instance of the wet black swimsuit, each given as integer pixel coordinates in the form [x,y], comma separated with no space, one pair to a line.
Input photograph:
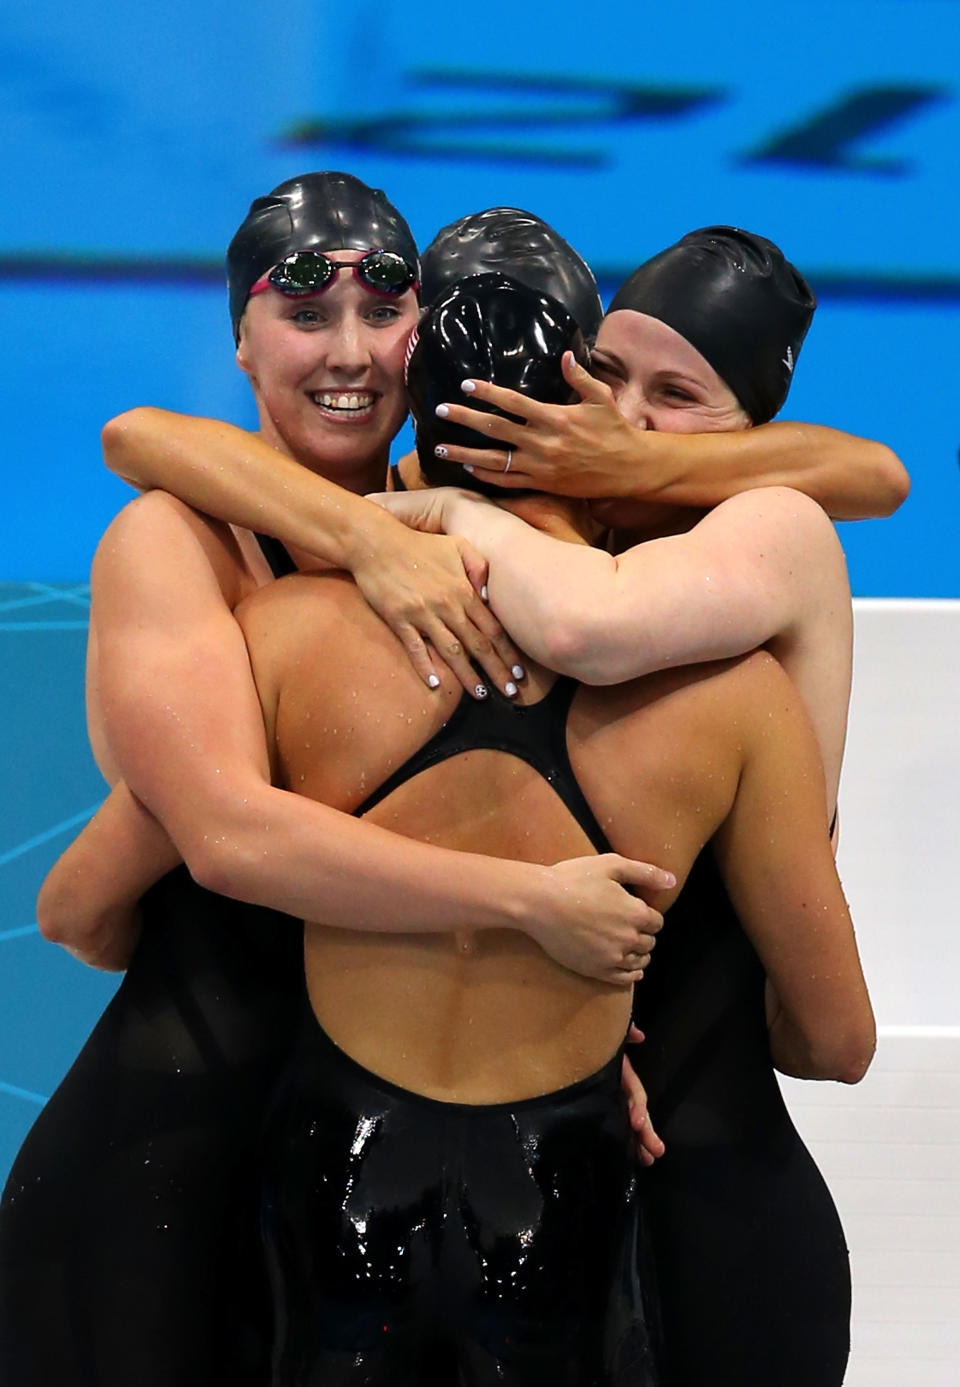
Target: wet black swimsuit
[129,1238]
[418,1242]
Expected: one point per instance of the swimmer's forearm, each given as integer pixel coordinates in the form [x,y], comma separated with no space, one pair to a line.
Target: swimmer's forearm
[88,902]
[851,478]
[537,585]
[235,476]
[719,591]
[272,848]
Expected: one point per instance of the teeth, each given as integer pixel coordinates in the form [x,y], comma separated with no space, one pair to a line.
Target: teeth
[331,400]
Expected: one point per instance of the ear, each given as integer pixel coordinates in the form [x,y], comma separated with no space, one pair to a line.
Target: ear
[243,351]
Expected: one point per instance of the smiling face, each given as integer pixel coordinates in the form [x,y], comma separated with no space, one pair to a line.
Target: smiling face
[659,381]
[327,373]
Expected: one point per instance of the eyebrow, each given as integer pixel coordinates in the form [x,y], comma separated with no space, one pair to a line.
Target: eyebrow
[607,358]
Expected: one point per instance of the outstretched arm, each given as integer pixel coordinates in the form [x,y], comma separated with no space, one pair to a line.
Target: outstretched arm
[425,589]
[184,723]
[588,449]
[765,567]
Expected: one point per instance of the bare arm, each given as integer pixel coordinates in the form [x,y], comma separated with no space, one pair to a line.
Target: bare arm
[765,567]
[774,854]
[425,589]
[89,900]
[184,723]
[588,449]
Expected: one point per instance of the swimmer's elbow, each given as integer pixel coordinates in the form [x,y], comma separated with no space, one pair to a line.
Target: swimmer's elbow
[225,862]
[123,439]
[847,1059]
[55,917]
[892,481]
[100,938]
[579,646]
[857,1053]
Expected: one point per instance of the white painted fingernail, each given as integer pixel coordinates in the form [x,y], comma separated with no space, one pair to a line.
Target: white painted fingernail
[442,411]
[468,387]
[510,689]
[434,681]
[518,672]
[480,690]
[467,466]
[484,594]
[440,451]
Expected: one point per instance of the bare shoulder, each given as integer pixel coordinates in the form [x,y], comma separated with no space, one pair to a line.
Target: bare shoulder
[769,515]
[780,503]
[157,539]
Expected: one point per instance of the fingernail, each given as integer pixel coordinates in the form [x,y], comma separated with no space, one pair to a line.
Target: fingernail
[480,690]
[434,681]
[518,671]
[485,596]
[440,451]
[468,387]
[671,879]
[467,466]
[510,689]
[442,411]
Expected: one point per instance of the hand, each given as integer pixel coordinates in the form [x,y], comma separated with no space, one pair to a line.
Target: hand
[425,509]
[427,587]
[596,926]
[649,1145]
[586,449]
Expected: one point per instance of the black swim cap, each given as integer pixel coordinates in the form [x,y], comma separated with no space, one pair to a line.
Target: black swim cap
[317,211]
[518,244]
[736,299]
[493,328]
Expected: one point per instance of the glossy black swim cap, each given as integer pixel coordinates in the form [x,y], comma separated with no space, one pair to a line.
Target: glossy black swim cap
[515,243]
[317,211]
[493,328]
[736,299]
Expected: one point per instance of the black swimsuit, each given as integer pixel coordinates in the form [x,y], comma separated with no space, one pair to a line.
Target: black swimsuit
[418,1242]
[129,1240]
[750,1255]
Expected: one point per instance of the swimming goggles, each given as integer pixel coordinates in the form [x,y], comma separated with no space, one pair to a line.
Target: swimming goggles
[311,272]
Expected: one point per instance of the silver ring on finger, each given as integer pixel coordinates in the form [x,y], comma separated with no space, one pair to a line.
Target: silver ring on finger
[509,460]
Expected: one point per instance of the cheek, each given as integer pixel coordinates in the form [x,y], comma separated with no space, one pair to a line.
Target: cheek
[391,354]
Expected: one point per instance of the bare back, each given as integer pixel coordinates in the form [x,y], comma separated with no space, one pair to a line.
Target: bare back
[487,1016]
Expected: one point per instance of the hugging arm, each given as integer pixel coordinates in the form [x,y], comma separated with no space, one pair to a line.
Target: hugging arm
[774,854]
[425,588]
[89,900]
[184,725]
[589,449]
[764,567]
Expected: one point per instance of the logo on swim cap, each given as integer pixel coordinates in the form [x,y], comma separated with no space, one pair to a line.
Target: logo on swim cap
[788,360]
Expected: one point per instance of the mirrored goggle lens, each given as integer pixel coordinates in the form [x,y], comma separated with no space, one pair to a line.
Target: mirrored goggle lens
[385,272]
[310,272]
[303,272]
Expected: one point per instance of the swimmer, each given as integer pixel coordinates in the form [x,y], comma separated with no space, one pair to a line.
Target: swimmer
[128,1227]
[450,1193]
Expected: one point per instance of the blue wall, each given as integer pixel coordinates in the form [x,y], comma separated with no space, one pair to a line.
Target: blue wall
[133,141]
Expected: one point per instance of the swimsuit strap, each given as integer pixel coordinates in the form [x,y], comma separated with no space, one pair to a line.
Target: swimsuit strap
[536,734]
[276,556]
